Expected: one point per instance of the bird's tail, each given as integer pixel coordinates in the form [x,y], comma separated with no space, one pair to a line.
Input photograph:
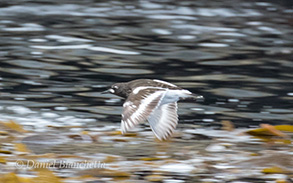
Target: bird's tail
[198,98]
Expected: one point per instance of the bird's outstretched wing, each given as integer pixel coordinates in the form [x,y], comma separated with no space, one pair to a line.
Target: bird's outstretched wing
[163,120]
[139,105]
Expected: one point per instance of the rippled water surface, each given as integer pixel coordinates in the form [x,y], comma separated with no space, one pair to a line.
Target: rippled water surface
[57,56]
[61,54]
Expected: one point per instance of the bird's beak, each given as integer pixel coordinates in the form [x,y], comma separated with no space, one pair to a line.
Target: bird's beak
[108,91]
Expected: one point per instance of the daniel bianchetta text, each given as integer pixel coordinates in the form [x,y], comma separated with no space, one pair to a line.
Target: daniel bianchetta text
[27,164]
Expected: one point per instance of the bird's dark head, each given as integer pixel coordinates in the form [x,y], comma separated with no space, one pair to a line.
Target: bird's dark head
[120,89]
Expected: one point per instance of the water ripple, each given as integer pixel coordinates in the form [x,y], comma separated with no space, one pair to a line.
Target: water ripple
[111,50]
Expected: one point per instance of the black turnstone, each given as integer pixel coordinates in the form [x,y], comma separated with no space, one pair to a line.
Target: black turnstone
[153,100]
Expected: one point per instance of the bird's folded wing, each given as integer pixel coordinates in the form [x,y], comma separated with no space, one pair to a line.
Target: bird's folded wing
[163,120]
[139,105]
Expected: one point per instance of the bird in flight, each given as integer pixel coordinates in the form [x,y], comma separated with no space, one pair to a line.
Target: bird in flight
[153,100]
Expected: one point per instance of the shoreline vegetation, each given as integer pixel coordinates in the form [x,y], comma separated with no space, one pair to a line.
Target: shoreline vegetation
[28,156]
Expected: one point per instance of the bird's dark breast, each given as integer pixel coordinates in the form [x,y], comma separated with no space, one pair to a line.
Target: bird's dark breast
[124,93]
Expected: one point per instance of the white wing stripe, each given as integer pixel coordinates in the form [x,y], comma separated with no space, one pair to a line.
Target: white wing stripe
[144,103]
[136,90]
[164,82]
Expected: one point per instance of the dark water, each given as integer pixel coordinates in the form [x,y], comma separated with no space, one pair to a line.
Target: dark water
[58,55]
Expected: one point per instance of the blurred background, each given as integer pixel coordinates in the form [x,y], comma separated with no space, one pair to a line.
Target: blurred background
[57,56]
